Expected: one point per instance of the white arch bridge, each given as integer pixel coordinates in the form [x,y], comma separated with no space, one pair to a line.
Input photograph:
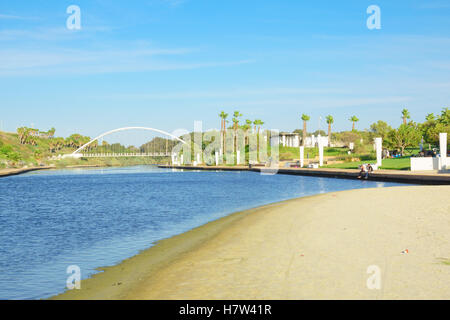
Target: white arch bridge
[79,152]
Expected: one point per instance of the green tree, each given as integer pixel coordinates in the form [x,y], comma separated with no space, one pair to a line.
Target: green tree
[223,116]
[430,117]
[354,120]
[380,129]
[247,126]
[330,121]
[405,115]
[433,125]
[406,135]
[51,132]
[236,116]
[444,118]
[258,123]
[305,119]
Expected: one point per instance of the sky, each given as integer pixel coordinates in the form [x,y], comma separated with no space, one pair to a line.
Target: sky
[167,63]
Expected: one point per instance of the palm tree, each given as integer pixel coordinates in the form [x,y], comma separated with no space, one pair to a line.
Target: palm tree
[236,116]
[405,115]
[223,116]
[51,133]
[354,120]
[246,127]
[330,121]
[258,123]
[305,118]
[21,132]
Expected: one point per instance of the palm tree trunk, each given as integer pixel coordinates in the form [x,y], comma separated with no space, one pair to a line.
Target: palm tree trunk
[329,134]
[304,133]
[221,132]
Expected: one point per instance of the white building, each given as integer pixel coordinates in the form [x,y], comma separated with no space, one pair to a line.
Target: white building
[314,141]
[288,139]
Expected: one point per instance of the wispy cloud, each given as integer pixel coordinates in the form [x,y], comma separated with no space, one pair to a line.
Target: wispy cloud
[49,34]
[434,5]
[233,93]
[66,62]
[13,17]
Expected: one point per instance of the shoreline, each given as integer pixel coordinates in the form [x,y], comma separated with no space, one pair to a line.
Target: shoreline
[409,177]
[104,285]
[18,171]
[253,254]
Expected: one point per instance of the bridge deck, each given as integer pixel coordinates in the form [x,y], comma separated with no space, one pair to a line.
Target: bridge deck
[118,155]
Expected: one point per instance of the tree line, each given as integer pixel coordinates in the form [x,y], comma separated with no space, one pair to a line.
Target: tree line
[408,134]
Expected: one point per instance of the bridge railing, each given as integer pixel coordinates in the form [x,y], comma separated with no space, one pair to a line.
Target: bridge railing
[116,155]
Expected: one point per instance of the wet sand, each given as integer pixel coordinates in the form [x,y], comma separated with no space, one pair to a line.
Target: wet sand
[317,247]
[15,171]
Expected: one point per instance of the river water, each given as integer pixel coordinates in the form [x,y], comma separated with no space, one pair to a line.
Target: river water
[50,220]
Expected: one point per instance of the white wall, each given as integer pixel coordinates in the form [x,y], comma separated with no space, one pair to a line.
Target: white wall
[424,163]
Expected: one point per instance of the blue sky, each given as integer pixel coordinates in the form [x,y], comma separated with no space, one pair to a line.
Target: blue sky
[166,63]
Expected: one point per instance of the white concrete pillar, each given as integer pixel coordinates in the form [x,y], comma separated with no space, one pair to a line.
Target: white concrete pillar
[320,151]
[198,158]
[313,141]
[181,159]
[238,156]
[217,158]
[302,155]
[284,140]
[378,145]
[443,150]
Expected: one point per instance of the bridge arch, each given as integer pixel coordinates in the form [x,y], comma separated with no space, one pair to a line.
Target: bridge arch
[125,129]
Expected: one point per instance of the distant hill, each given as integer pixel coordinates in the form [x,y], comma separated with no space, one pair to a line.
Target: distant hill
[13,153]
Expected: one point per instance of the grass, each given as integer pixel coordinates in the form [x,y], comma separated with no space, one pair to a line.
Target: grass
[444,261]
[289,153]
[403,163]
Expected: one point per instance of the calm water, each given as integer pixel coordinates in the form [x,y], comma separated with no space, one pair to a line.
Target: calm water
[98,217]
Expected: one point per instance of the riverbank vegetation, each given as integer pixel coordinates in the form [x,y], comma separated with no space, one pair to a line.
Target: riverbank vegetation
[33,147]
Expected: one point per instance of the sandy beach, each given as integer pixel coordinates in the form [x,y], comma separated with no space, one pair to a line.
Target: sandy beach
[318,247]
